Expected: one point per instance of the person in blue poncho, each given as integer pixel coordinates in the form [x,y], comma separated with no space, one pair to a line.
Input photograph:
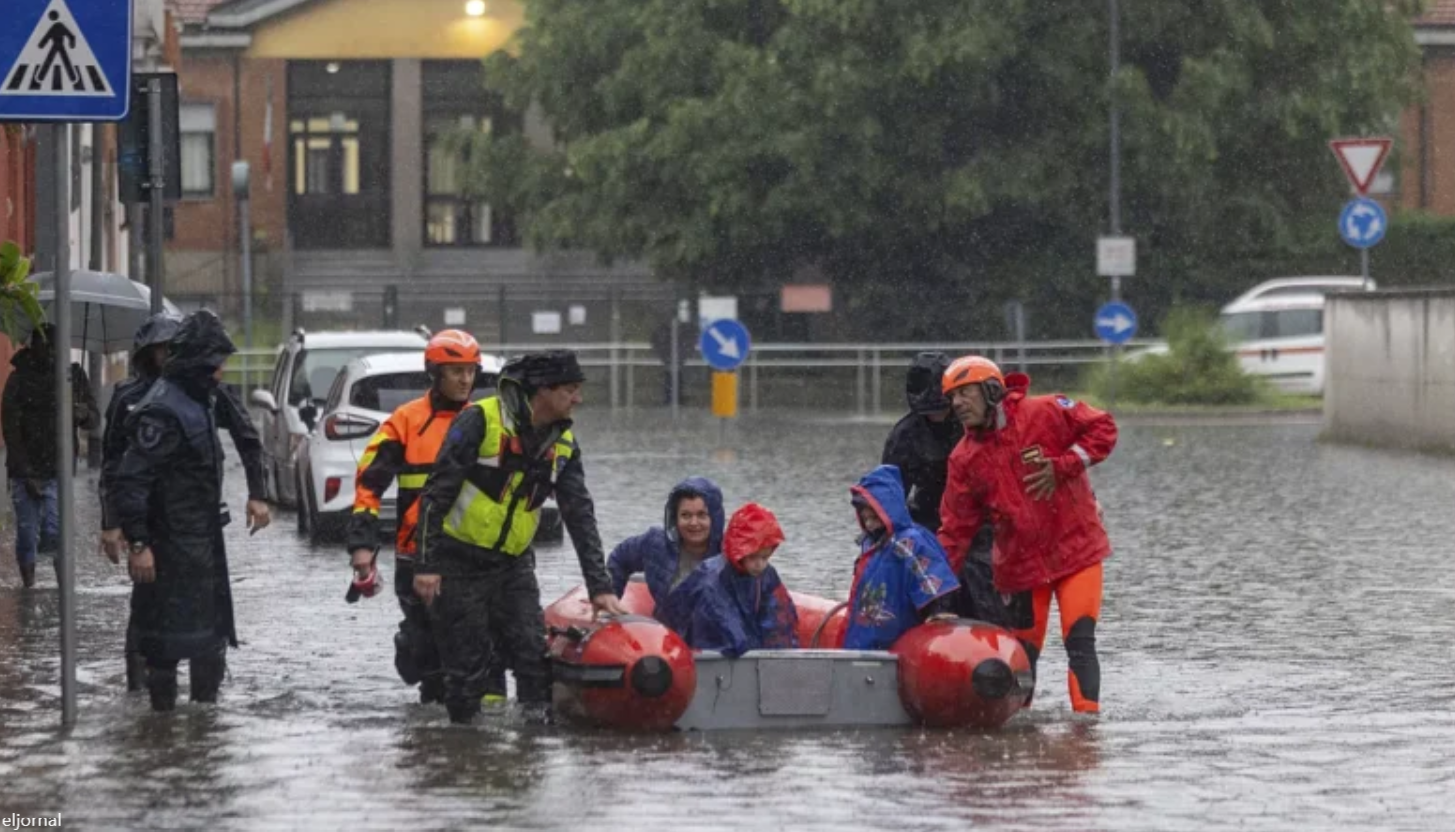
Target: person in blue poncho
[691,532]
[902,578]
[735,602]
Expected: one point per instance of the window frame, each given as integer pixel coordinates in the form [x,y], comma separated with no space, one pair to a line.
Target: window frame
[182,134]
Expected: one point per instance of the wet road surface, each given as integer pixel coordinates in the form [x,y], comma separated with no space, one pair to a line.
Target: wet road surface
[1276,646]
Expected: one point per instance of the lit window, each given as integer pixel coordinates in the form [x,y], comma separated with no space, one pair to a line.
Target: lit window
[197,125]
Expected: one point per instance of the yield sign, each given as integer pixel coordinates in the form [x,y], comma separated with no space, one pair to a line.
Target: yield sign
[1361,159]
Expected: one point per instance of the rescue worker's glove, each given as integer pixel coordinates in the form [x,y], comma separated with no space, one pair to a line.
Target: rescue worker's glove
[364,586]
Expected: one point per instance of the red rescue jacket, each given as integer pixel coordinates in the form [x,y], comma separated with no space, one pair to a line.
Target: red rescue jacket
[1036,542]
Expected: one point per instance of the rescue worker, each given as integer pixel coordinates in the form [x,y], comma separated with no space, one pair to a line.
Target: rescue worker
[404,449]
[148,355]
[920,443]
[167,495]
[1022,466]
[901,578]
[691,532]
[735,602]
[502,457]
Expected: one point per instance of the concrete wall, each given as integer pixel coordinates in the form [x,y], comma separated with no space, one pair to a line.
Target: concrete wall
[1391,368]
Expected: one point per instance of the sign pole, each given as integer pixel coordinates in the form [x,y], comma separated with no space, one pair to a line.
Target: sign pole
[68,64]
[157,184]
[675,371]
[1364,268]
[65,450]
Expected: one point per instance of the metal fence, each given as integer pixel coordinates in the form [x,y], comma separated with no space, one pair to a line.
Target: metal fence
[862,378]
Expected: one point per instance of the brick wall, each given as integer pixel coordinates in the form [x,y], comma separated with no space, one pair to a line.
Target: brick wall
[17,187]
[210,225]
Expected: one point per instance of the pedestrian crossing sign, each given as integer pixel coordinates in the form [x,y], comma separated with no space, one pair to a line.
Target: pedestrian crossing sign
[65,61]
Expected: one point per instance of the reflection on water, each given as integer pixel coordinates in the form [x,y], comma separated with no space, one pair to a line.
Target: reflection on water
[1275,648]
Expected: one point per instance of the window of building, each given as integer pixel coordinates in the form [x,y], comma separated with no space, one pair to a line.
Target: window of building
[197,125]
[455,103]
[325,154]
[450,219]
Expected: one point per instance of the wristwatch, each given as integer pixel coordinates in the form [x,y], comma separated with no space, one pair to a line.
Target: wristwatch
[137,547]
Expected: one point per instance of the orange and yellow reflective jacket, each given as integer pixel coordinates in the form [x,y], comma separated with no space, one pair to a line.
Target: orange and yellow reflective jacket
[404,449]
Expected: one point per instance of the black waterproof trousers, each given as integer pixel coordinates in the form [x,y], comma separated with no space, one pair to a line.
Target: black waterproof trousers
[489,608]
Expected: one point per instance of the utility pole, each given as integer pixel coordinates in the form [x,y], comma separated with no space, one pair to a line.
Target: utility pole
[1115,197]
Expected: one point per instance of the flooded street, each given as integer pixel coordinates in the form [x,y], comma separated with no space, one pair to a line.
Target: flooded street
[1276,646]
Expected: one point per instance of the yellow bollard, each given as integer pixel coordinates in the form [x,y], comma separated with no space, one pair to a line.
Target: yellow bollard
[725,395]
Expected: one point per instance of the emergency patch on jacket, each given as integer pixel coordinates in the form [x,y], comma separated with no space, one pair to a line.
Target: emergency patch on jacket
[1065,401]
[149,434]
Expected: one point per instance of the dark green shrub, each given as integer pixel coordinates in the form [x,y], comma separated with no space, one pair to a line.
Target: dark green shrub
[1198,368]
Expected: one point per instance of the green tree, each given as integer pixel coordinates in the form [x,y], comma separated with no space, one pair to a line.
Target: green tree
[934,158]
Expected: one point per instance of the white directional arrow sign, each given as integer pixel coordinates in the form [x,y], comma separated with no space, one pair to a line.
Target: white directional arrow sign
[726,344]
[1116,323]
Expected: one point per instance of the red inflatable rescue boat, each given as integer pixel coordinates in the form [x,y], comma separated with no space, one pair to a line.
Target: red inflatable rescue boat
[633,673]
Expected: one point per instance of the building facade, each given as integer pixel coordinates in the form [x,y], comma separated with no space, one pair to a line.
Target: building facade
[342,109]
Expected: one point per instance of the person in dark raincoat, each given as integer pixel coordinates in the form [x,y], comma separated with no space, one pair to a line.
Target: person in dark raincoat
[901,578]
[167,494]
[920,443]
[735,602]
[29,425]
[691,532]
[149,352]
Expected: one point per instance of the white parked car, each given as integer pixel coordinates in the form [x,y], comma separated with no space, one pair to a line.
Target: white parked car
[363,395]
[302,378]
[1277,328]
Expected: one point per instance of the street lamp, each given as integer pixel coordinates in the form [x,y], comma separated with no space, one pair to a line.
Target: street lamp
[475,8]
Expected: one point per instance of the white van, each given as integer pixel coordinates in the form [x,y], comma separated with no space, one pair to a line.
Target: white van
[1277,328]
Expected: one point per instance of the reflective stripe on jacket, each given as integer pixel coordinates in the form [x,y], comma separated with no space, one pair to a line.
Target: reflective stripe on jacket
[499,504]
[404,450]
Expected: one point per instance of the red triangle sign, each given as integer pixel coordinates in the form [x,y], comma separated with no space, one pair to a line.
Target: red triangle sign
[1361,159]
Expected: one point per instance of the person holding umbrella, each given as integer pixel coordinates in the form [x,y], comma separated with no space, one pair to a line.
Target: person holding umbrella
[28,414]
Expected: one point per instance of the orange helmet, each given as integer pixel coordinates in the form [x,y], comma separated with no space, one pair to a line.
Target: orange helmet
[451,346]
[975,369]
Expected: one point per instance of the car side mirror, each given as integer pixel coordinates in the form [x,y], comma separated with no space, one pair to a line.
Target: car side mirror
[309,414]
[265,400]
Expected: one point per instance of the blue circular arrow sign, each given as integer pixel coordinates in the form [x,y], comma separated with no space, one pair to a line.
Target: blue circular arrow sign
[1362,223]
[725,344]
[1115,322]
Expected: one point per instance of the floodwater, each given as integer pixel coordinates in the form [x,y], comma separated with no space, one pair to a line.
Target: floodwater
[1276,647]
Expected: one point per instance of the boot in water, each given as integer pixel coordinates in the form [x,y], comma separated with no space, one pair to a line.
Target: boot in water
[162,686]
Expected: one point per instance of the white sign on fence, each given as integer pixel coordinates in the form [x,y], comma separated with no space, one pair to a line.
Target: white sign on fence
[455,316]
[322,301]
[545,323]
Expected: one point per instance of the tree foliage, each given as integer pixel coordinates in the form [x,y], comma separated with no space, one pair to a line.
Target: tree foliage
[18,296]
[946,149]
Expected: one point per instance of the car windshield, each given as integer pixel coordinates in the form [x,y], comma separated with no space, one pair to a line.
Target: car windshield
[314,371]
[387,392]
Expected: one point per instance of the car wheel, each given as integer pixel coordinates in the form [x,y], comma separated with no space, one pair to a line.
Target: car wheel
[308,506]
[302,521]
